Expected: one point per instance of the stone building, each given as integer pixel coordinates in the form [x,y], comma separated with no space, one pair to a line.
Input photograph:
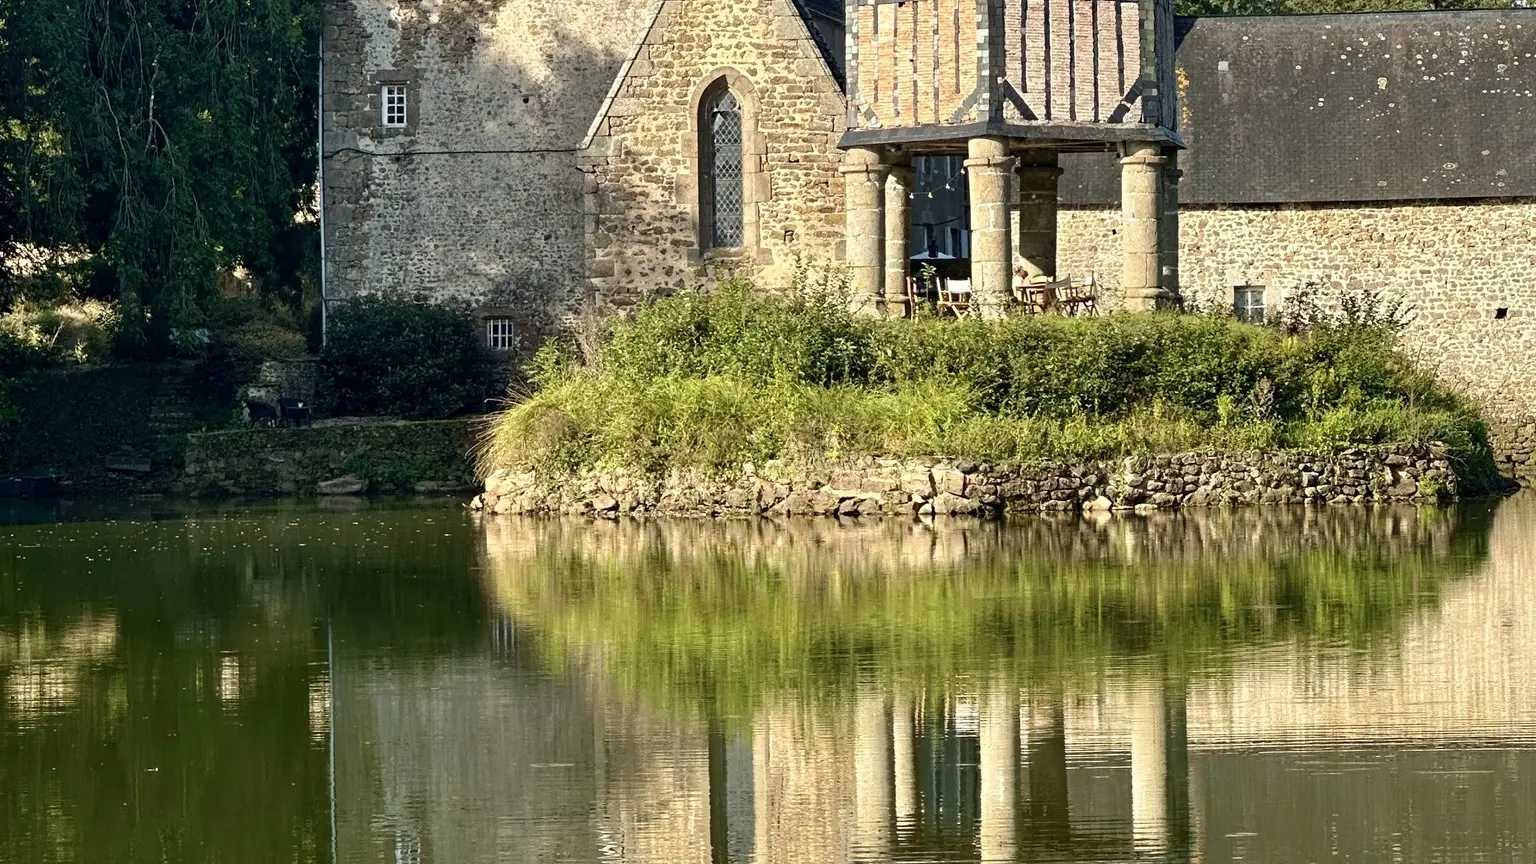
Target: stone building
[520,158]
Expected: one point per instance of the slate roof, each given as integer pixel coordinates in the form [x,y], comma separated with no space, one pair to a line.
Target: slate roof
[824,18]
[1363,107]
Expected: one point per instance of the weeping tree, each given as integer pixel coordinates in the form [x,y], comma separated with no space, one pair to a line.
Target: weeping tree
[157,142]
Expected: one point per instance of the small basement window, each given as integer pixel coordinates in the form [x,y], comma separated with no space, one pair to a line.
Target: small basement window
[499,335]
[394,106]
[1248,303]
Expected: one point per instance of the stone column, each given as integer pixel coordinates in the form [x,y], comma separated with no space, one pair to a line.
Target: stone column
[898,186]
[1037,215]
[1141,210]
[1169,239]
[989,172]
[999,760]
[904,761]
[864,224]
[871,776]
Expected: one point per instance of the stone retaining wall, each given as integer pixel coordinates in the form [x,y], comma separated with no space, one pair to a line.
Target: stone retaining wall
[341,458]
[1514,443]
[920,487]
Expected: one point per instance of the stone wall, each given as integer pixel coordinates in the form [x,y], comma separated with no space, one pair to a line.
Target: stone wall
[898,487]
[107,430]
[478,200]
[343,458]
[643,195]
[1455,264]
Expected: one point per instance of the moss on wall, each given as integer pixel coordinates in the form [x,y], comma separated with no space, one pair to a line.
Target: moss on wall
[394,456]
[80,421]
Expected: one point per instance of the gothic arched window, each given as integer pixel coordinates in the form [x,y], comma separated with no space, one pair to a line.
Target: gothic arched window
[720,137]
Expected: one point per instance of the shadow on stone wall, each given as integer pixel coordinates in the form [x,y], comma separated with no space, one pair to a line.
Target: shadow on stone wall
[479,201]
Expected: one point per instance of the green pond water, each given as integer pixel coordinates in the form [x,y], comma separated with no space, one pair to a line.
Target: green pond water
[406,683]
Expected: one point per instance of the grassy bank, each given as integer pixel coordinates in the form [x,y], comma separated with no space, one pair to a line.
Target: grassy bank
[716,379]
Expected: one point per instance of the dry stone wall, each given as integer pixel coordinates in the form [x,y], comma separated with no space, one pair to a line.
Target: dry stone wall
[643,219]
[478,200]
[896,487]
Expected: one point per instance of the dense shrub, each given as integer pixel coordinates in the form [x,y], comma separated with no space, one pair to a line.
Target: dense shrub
[38,335]
[402,358]
[714,379]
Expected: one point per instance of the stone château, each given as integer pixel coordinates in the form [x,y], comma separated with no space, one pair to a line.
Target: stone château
[521,158]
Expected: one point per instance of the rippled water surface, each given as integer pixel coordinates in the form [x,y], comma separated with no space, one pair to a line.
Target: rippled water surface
[388,683]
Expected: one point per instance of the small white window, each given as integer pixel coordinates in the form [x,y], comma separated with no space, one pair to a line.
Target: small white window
[1248,303]
[499,335]
[394,106]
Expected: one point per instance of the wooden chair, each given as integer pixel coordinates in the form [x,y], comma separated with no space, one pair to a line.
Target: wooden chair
[955,298]
[1080,298]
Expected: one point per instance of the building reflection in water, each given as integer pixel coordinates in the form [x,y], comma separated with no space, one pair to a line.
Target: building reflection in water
[580,735]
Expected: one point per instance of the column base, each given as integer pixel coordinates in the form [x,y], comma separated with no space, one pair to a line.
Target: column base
[1150,300]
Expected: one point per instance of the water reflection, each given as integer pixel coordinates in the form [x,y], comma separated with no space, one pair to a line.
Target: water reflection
[1053,691]
[405,684]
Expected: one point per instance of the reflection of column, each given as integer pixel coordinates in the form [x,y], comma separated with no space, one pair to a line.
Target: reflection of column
[999,772]
[717,805]
[872,777]
[1047,809]
[1176,744]
[1159,771]
[905,763]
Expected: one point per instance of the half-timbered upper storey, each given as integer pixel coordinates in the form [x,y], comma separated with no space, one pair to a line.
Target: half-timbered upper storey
[1059,71]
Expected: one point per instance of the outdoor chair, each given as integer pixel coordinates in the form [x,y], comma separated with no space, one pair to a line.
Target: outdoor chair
[1080,298]
[955,298]
[260,414]
[294,411]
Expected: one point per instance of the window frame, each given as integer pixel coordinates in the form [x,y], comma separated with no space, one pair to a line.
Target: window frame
[394,96]
[711,235]
[493,336]
[1245,311]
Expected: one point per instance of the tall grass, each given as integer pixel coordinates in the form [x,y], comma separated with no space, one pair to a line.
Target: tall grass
[715,379]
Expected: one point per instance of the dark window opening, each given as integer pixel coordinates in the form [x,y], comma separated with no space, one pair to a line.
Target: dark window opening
[1501,313]
[1248,303]
[721,192]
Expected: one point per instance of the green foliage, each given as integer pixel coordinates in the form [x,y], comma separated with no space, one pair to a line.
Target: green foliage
[146,146]
[10,414]
[80,417]
[715,379]
[40,335]
[401,357]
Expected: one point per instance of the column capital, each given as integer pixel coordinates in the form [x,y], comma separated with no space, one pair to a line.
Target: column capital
[1141,159]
